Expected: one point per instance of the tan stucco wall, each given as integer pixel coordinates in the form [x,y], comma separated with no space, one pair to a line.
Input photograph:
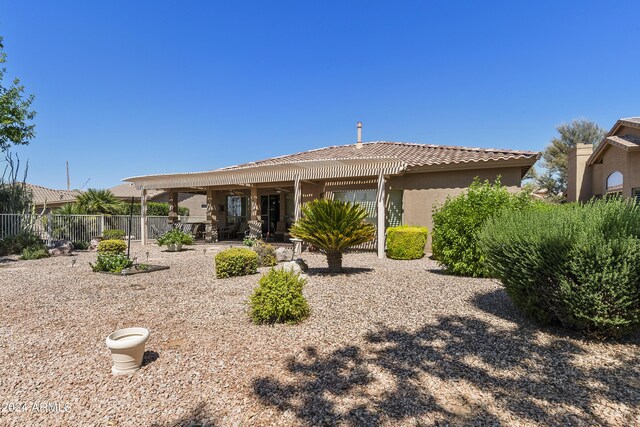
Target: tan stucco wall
[632,179]
[616,159]
[579,178]
[424,190]
[193,202]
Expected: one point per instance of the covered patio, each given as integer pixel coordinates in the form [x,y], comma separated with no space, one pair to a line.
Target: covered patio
[265,200]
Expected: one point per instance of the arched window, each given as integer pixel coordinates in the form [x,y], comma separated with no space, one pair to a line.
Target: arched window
[614,182]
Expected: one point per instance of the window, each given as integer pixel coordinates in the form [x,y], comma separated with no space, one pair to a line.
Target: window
[635,193]
[236,209]
[368,199]
[614,182]
[364,198]
[204,206]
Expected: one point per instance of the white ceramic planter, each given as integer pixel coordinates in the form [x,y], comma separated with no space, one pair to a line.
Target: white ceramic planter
[174,247]
[127,349]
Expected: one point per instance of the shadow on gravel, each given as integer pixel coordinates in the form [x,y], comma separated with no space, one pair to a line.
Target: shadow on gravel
[198,417]
[386,379]
[150,357]
[346,271]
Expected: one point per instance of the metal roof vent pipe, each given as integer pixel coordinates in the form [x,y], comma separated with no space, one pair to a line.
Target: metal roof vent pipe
[359,143]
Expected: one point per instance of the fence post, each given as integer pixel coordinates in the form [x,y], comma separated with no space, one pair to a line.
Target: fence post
[101,225]
[49,229]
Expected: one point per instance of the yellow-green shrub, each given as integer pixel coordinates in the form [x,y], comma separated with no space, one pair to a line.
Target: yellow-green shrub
[112,246]
[406,242]
[113,234]
[266,254]
[236,262]
[279,299]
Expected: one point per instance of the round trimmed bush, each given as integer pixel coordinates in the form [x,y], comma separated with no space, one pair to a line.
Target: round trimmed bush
[406,242]
[112,246]
[577,265]
[278,298]
[266,254]
[456,224]
[236,262]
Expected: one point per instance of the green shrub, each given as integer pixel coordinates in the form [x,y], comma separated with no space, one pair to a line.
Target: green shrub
[154,209]
[278,298]
[113,234]
[456,225]
[80,245]
[35,252]
[249,241]
[406,242]
[578,265]
[19,242]
[236,262]
[113,262]
[112,246]
[266,254]
[175,236]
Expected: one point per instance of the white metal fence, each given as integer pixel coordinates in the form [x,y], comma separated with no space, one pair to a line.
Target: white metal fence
[83,228]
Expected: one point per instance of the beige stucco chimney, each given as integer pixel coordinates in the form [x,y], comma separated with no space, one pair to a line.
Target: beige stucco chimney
[578,176]
[359,142]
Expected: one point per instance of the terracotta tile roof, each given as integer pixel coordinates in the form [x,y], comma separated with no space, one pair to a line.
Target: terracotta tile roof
[411,154]
[49,195]
[635,120]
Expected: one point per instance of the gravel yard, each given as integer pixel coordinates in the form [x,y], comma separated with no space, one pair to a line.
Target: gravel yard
[388,343]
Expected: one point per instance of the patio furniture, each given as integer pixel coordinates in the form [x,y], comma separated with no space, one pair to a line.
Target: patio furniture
[243,231]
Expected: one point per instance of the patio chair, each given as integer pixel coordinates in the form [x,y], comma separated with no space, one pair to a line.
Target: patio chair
[243,231]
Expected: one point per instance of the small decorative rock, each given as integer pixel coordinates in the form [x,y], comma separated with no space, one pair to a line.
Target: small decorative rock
[62,248]
[303,265]
[93,245]
[284,254]
[293,266]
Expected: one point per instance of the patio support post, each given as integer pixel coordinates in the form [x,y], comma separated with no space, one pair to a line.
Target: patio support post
[297,213]
[381,215]
[297,198]
[173,207]
[211,226]
[143,217]
[282,222]
[255,225]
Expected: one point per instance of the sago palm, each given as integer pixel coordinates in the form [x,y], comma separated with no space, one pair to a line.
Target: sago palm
[96,202]
[333,226]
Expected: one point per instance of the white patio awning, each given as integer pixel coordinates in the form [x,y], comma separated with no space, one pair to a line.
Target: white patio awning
[306,170]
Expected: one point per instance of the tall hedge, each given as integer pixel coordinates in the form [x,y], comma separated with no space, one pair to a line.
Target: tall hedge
[406,242]
[458,221]
[577,265]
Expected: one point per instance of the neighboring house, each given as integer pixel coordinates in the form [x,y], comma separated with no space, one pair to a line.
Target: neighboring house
[196,203]
[612,168]
[47,199]
[398,183]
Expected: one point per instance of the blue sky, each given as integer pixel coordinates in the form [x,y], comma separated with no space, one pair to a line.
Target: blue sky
[129,88]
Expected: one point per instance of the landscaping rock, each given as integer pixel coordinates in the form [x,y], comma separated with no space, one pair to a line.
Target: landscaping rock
[303,265]
[293,266]
[93,244]
[284,254]
[61,248]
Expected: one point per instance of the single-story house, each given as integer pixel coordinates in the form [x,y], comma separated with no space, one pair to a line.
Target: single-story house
[398,183]
[196,203]
[612,168]
[46,199]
